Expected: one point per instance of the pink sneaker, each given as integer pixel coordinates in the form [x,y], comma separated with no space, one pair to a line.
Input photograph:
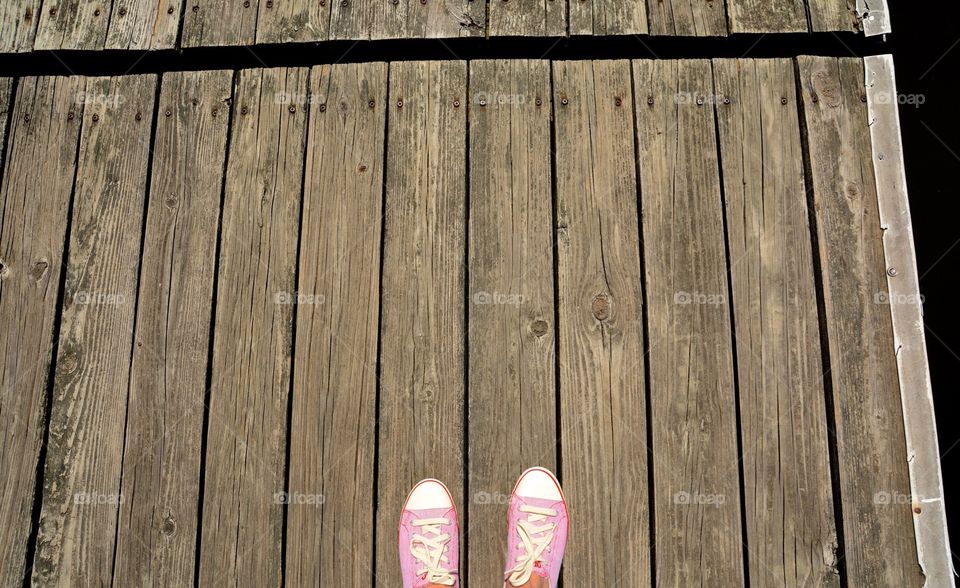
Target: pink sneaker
[429,537]
[537,523]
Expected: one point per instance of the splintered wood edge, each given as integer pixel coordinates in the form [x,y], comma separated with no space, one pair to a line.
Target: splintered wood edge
[906,310]
[875,17]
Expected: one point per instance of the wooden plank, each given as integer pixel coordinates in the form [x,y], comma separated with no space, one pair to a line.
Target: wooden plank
[407,19]
[688,18]
[693,410]
[161,455]
[878,530]
[253,338]
[764,16]
[906,313]
[833,15]
[18,21]
[334,383]
[530,18]
[81,482]
[512,389]
[874,17]
[144,24]
[217,23]
[6,98]
[608,17]
[602,398]
[72,24]
[286,21]
[423,334]
[791,534]
[40,160]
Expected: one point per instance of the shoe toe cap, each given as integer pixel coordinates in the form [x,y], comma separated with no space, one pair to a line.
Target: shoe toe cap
[428,495]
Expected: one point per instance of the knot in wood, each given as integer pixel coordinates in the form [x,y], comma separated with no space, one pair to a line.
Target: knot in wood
[601,307]
[539,327]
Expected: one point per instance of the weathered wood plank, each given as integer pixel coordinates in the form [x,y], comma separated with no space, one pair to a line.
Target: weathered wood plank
[607,17]
[407,19]
[878,530]
[214,23]
[766,16]
[72,24]
[512,389]
[701,18]
[40,161]
[144,24]
[423,334]
[18,23]
[698,530]
[833,15]
[81,483]
[906,313]
[286,21]
[602,398]
[527,18]
[161,455]
[791,533]
[247,431]
[334,384]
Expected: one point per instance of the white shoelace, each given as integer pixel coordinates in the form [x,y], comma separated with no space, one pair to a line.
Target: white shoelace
[429,551]
[535,539]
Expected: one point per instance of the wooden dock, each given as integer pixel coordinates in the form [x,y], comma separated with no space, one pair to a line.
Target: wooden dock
[145,25]
[244,311]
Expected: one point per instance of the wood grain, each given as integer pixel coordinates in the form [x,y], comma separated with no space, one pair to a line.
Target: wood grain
[766,16]
[18,23]
[878,530]
[833,15]
[245,479]
[334,378]
[700,18]
[81,482]
[407,19]
[512,363]
[292,21]
[602,398]
[40,160]
[528,18]
[216,23]
[144,25]
[693,403]
[423,332]
[791,533]
[156,543]
[72,24]
[608,17]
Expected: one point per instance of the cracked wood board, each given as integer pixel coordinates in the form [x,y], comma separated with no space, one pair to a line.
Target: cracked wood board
[512,362]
